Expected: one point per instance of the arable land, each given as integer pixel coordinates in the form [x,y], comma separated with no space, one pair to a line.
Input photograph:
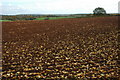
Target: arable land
[71,49]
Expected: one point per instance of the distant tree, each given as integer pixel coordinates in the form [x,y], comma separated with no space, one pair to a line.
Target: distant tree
[99,11]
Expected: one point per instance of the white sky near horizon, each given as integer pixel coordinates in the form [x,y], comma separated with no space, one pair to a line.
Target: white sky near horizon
[56,6]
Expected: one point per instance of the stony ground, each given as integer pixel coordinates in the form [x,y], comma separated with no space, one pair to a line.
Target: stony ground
[81,49]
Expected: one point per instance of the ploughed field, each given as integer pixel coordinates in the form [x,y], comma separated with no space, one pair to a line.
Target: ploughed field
[80,48]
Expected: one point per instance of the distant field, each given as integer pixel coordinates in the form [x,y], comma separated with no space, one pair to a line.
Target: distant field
[16,18]
[4,20]
[43,18]
[52,18]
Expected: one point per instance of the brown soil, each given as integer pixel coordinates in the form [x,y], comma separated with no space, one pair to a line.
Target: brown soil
[81,48]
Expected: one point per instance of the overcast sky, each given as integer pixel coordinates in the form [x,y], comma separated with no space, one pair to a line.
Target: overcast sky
[56,6]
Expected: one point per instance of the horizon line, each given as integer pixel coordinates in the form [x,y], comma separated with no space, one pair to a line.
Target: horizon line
[53,14]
